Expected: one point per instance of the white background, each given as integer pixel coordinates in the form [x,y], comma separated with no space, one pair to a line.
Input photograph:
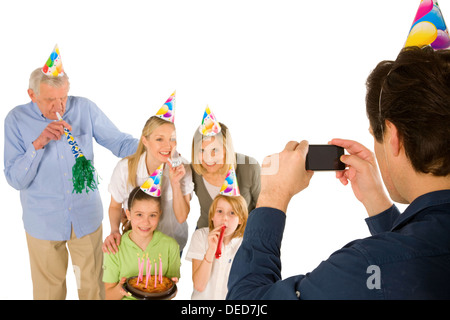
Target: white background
[273,71]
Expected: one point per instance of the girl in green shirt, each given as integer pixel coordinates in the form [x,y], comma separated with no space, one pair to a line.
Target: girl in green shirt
[143,213]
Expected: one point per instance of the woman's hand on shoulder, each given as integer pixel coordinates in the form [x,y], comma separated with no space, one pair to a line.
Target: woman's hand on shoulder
[112,242]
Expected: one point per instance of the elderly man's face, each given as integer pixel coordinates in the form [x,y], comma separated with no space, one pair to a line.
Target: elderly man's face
[51,99]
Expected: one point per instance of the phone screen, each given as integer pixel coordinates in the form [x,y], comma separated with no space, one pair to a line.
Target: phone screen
[324,157]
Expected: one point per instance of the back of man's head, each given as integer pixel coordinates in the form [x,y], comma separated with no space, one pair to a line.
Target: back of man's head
[413,93]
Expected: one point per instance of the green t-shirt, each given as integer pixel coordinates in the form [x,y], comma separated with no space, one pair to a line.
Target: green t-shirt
[125,262]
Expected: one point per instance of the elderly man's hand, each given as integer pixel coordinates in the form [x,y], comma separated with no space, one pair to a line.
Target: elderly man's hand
[53,131]
[283,175]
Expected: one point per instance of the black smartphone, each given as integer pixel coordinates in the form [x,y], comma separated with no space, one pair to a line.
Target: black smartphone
[324,157]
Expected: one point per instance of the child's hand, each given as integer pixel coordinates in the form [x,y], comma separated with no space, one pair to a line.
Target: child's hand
[115,291]
[213,241]
[120,287]
[174,279]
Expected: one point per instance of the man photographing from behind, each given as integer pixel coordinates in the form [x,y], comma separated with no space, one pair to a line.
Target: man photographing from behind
[408,106]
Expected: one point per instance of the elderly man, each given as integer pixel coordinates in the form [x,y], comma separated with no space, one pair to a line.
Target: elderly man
[39,164]
[408,254]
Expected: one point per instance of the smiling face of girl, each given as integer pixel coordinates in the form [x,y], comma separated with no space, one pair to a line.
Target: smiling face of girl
[143,214]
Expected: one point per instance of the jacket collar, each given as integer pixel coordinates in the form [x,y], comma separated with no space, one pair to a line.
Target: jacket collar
[422,202]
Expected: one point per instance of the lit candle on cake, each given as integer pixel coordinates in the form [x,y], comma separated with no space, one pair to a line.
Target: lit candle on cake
[160,269]
[155,273]
[141,269]
[148,271]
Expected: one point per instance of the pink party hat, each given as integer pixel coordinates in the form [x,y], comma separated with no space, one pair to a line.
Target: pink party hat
[429,27]
[53,66]
[230,186]
[167,111]
[153,184]
[210,126]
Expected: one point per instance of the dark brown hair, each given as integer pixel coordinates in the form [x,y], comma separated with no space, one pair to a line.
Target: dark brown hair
[138,194]
[413,93]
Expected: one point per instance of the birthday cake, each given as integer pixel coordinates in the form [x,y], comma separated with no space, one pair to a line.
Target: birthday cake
[165,289]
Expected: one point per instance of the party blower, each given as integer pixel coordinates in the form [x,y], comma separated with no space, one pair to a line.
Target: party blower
[219,245]
[83,172]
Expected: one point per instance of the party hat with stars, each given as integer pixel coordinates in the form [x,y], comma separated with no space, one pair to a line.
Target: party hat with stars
[53,66]
[429,27]
[230,186]
[167,111]
[210,126]
[152,185]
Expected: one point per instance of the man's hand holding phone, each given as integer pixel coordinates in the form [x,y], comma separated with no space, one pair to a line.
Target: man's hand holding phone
[362,172]
[291,177]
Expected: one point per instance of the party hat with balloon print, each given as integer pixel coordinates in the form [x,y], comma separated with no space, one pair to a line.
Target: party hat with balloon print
[230,186]
[210,126]
[429,27]
[53,66]
[167,111]
[152,185]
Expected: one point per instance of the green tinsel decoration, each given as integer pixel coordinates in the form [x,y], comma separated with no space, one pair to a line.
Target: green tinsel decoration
[83,172]
[83,175]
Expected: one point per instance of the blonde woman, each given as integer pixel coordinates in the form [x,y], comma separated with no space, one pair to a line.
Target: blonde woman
[211,159]
[156,146]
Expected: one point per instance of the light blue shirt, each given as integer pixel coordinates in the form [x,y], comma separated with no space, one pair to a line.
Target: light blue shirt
[44,177]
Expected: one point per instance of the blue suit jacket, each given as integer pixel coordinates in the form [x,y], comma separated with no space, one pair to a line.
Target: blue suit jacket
[407,257]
